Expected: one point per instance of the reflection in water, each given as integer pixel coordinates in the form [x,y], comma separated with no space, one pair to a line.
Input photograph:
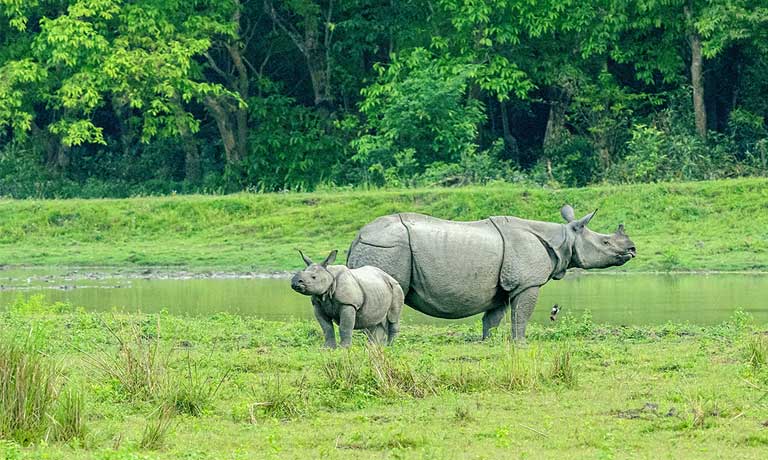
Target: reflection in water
[617,299]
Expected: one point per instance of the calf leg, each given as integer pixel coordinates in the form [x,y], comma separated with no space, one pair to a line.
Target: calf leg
[392,330]
[326,324]
[393,315]
[347,316]
[491,319]
[377,334]
[522,308]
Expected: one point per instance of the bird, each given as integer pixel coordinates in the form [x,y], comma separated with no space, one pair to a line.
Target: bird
[553,313]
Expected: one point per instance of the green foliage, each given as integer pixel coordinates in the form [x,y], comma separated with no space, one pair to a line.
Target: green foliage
[574,162]
[291,146]
[658,155]
[111,98]
[68,419]
[417,114]
[193,392]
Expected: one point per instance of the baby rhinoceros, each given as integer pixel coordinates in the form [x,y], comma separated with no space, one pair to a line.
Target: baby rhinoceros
[361,298]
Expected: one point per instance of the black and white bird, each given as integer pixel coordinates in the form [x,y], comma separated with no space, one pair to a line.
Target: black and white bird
[554,312]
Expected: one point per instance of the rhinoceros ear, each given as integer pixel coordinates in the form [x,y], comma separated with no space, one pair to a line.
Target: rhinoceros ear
[579,225]
[330,259]
[307,260]
[567,213]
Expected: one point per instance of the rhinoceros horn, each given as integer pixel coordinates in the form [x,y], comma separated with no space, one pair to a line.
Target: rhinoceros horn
[620,230]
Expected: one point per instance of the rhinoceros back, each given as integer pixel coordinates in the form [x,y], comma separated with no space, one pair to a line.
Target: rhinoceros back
[383,243]
[447,269]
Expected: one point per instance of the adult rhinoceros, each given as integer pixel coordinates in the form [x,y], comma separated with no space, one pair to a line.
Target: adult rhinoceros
[453,269]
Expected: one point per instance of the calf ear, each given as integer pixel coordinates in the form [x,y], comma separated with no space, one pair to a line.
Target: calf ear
[330,259]
[567,213]
[579,225]
[307,260]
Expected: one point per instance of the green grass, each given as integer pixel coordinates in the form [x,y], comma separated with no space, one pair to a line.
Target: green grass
[576,390]
[717,225]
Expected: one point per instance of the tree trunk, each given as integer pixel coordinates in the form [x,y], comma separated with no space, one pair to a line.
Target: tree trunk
[697,79]
[555,123]
[243,89]
[315,46]
[226,131]
[192,168]
[510,143]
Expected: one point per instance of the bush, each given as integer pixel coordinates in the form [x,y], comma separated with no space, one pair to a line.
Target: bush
[574,161]
[472,168]
[656,155]
[417,114]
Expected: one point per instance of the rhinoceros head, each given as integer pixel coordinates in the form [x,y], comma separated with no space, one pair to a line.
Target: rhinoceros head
[596,250]
[315,279]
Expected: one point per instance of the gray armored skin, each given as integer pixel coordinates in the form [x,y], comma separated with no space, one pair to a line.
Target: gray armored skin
[361,298]
[457,269]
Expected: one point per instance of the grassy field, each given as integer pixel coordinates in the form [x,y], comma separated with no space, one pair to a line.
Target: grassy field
[718,225]
[116,386]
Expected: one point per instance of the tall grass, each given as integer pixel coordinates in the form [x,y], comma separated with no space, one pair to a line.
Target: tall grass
[138,368]
[193,392]
[33,405]
[375,370]
[385,373]
[27,391]
[68,419]
[757,351]
[561,369]
[279,399]
[156,429]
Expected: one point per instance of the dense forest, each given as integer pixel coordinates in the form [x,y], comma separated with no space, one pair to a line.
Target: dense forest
[131,97]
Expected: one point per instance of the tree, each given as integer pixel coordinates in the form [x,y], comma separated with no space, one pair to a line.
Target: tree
[310,27]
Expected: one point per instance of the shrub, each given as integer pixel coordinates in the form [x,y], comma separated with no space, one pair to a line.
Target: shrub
[574,161]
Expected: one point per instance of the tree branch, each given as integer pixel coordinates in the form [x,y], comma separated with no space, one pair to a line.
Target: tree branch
[292,33]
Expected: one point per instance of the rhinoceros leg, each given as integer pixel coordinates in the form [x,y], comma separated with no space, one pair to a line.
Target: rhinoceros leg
[347,314]
[522,308]
[393,315]
[326,324]
[492,318]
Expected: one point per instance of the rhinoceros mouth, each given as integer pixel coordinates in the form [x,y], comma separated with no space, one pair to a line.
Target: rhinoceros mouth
[629,254]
